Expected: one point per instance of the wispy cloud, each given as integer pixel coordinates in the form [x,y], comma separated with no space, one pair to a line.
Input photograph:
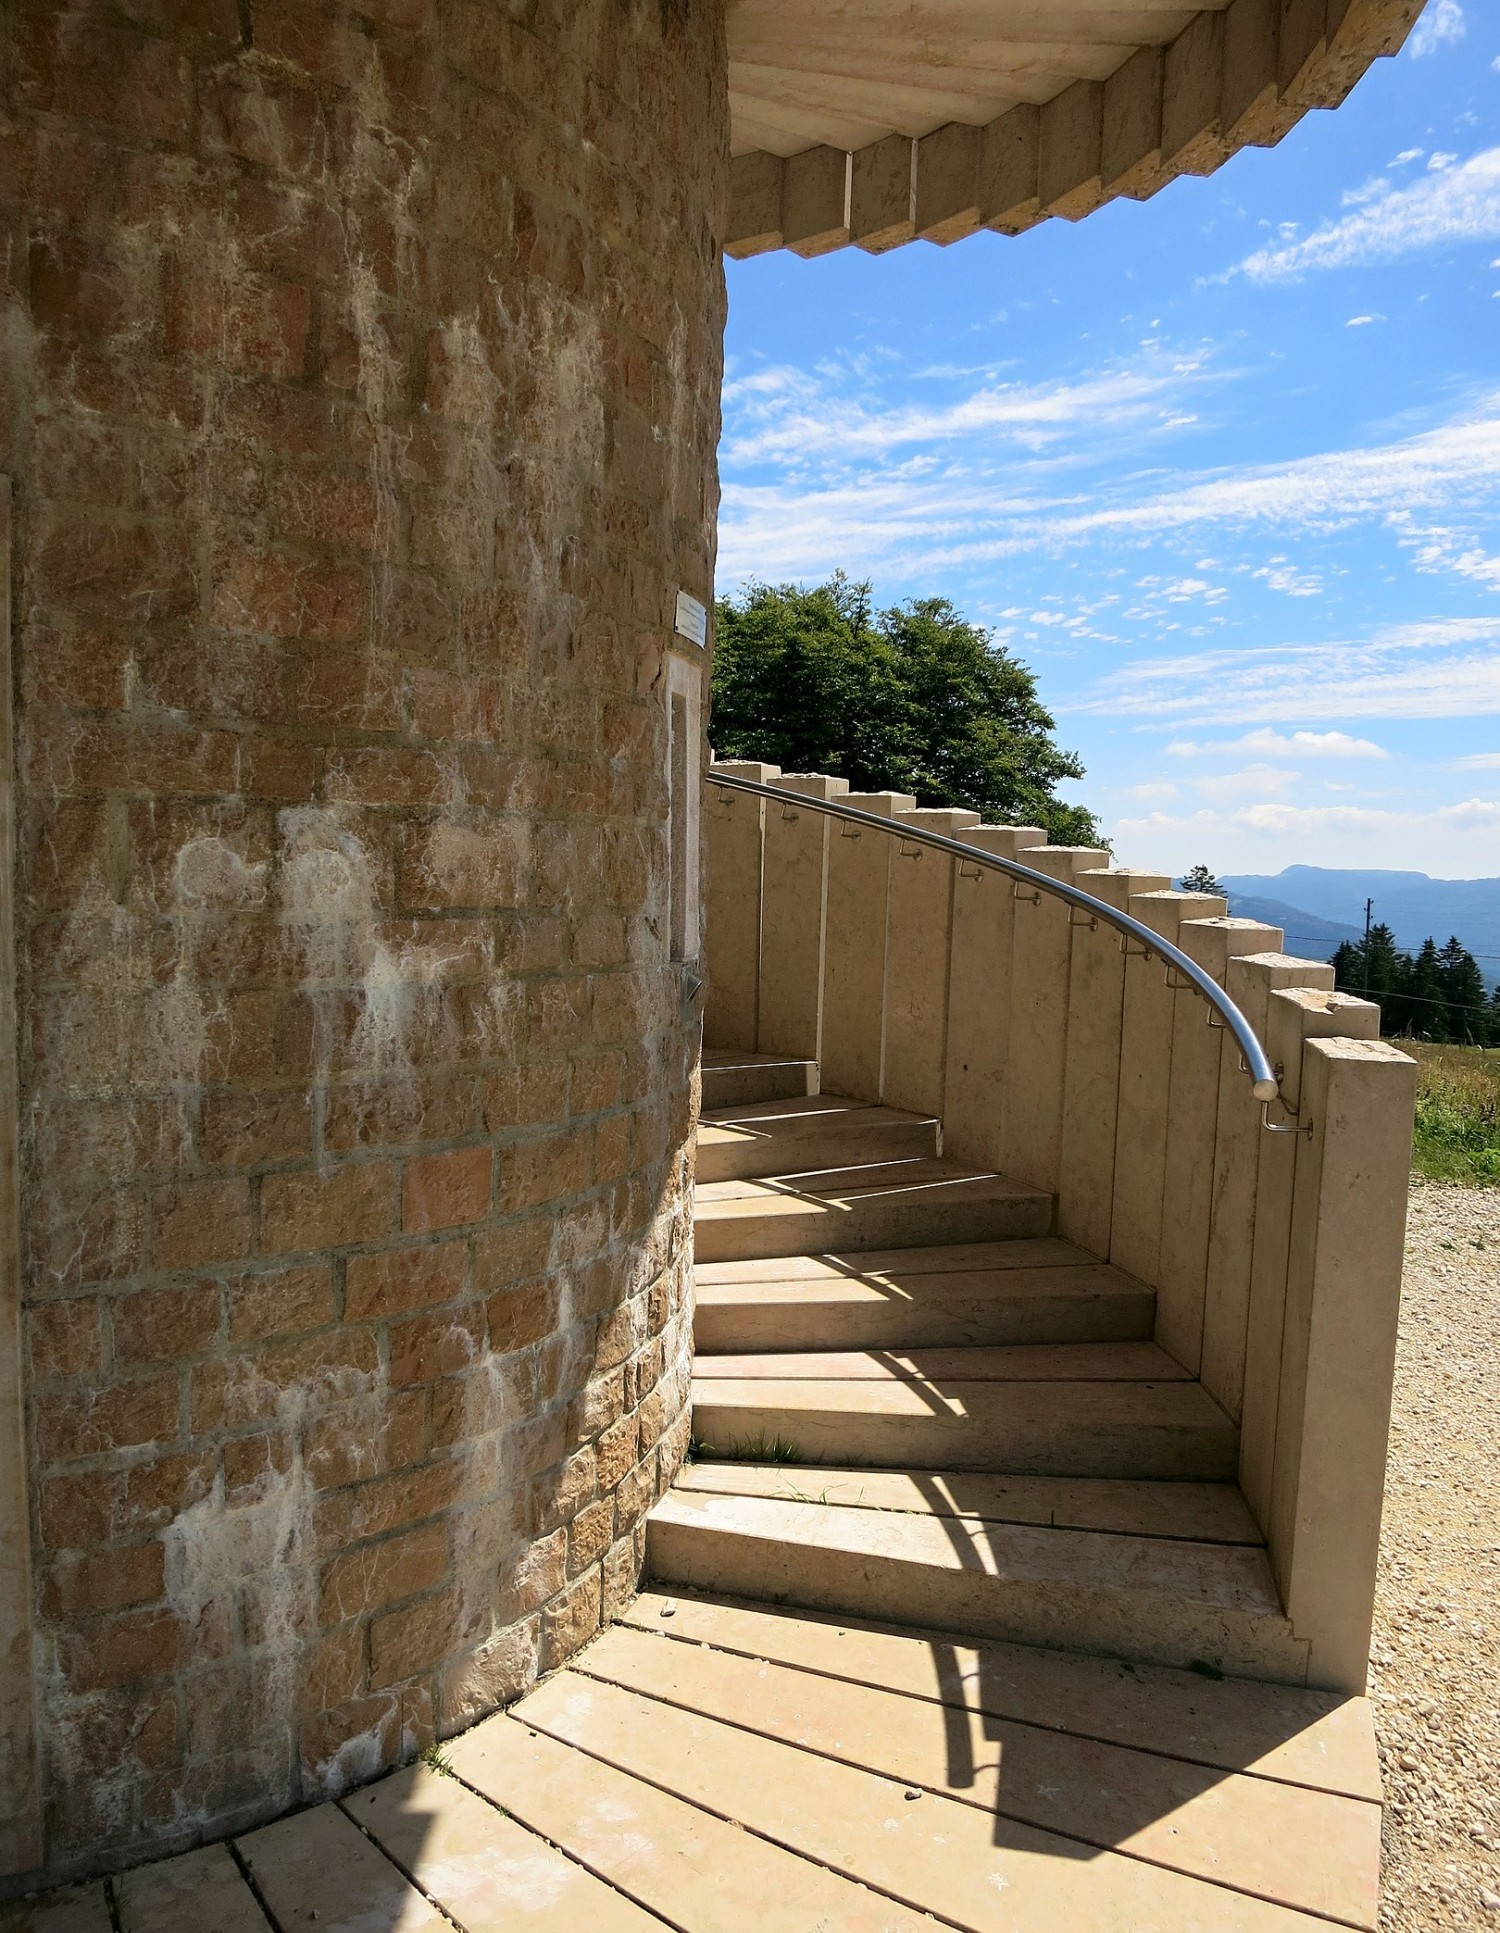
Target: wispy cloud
[1271,744]
[783,416]
[1269,832]
[1451,202]
[961,512]
[1442,22]
[1447,668]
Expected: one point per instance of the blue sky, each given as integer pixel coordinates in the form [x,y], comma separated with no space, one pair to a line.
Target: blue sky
[1222,467]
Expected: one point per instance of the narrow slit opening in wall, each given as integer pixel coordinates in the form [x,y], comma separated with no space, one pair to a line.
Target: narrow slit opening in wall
[678,785]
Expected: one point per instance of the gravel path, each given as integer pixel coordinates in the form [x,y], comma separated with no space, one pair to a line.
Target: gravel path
[1436,1673]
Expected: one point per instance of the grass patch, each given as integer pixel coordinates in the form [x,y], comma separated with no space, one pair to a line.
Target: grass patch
[1457,1131]
[437,1760]
[748,1449]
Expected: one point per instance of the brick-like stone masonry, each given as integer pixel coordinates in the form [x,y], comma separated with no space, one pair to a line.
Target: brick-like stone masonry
[362,369]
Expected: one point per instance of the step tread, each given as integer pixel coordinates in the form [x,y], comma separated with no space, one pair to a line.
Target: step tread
[807,1132]
[1234,1576]
[684,1862]
[1142,1430]
[953,1860]
[1197,1512]
[938,1369]
[830,1187]
[1178,1816]
[488,1872]
[801,1114]
[895,1266]
[844,1309]
[1315,1738]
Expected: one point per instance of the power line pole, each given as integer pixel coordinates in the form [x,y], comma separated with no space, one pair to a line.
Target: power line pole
[1369,908]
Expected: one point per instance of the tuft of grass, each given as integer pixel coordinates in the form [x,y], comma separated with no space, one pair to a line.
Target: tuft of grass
[1456,1136]
[751,1449]
[437,1760]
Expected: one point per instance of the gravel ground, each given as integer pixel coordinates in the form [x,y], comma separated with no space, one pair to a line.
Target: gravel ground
[1436,1673]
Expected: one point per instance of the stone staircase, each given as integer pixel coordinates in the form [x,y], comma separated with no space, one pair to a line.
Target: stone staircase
[912,1405]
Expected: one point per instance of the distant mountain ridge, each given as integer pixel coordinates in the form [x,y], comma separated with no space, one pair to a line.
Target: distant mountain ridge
[1327,904]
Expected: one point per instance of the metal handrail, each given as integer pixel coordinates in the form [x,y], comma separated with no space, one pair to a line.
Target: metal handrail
[1263,1082]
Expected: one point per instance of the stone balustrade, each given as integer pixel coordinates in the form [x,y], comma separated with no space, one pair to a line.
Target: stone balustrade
[1064,1057]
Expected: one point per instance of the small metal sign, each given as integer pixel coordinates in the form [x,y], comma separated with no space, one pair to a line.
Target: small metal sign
[692,620]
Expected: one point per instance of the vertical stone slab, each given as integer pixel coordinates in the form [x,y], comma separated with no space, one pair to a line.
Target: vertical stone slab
[794,896]
[1192,1123]
[919,926]
[734,827]
[979,996]
[1032,1139]
[1145,1082]
[1091,1075]
[859,870]
[1293,1015]
[1343,1297]
[20,1801]
[1249,981]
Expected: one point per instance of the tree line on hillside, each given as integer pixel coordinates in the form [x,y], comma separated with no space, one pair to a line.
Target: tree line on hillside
[911,699]
[1436,993]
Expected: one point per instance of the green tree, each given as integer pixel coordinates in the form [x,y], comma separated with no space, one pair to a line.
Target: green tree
[1198,879]
[911,699]
[1463,991]
[1424,989]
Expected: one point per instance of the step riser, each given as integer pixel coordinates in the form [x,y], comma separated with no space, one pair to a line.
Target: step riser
[1033,1442]
[753,1326]
[753,1160]
[886,1223]
[1153,1629]
[749,1086]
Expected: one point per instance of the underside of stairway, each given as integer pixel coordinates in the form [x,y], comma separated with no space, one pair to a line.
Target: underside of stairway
[915,1406]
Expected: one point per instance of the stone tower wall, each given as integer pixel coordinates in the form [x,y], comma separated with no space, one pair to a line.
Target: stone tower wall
[361,374]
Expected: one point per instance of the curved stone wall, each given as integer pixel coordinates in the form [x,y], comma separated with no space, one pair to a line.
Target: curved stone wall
[362,367]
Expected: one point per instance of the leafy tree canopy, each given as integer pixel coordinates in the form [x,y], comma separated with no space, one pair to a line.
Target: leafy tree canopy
[912,699]
[1198,879]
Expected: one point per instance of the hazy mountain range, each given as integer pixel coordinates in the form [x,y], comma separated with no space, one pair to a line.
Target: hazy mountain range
[1318,906]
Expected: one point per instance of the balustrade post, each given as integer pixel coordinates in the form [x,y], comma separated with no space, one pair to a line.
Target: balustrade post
[1192,1126]
[918,934]
[1343,1296]
[1145,1085]
[979,996]
[793,924]
[1294,1015]
[859,871]
[1249,981]
[734,829]
[1091,1080]
[1041,946]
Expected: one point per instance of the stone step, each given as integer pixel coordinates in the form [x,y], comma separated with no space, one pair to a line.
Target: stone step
[1108,1795]
[742,1080]
[1212,1513]
[1160,1599]
[1024,1291]
[1065,1410]
[873,1206]
[807,1132]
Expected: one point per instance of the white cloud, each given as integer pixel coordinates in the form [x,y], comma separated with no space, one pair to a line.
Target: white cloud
[1254,782]
[910,525]
[1358,321]
[1443,21]
[1443,668]
[787,416]
[1279,575]
[1458,840]
[1272,744]
[1447,204]
[1478,762]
